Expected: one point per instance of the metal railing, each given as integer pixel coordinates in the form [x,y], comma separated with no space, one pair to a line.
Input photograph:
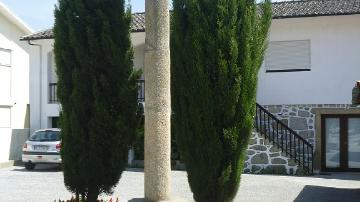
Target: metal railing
[290,143]
[53,99]
[141,90]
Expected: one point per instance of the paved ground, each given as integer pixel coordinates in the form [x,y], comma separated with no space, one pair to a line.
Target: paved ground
[46,184]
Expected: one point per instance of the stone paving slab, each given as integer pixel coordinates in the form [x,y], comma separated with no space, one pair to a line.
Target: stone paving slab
[45,184]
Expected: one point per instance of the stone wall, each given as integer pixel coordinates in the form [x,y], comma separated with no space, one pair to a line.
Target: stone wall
[301,118]
[298,117]
[305,120]
[265,158]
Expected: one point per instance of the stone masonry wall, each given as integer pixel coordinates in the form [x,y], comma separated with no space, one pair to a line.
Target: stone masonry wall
[265,158]
[301,118]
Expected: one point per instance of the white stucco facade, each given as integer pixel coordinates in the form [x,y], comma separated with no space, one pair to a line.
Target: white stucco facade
[303,99]
[43,72]
[334,66]
[14,81]
[335,62]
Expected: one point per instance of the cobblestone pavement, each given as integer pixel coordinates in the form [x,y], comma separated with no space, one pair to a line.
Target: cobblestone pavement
[45,184]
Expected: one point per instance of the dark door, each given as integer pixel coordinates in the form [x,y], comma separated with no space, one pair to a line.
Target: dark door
[55,122]
[340,142]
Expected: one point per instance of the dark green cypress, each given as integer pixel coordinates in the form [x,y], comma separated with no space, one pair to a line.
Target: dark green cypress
[98,93]
[217,48]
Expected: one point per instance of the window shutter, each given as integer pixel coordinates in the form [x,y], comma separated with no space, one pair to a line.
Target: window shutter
[5,83]
[5,57]
[288,56]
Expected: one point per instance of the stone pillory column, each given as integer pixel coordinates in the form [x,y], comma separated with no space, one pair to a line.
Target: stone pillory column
[157,101]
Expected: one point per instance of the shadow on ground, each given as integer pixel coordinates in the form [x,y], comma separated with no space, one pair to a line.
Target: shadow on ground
[339,176]
[327,194]
[39,168]
[137,200]
[136,170]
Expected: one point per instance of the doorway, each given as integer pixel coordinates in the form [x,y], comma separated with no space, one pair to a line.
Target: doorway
[341,142]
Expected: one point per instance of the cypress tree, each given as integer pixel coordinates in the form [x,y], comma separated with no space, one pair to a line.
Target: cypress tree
[98,93]
[217,48]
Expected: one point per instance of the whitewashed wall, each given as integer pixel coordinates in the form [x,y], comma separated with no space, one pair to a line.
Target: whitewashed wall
[138,43]
[335,62]
[14,82]
[42,72]
[335,66]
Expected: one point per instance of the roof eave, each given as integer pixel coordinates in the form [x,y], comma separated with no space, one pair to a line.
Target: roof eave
[26,38]
[34,39]
[315,15]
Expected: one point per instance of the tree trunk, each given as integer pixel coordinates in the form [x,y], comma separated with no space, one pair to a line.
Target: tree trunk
[92,195]
[157,101]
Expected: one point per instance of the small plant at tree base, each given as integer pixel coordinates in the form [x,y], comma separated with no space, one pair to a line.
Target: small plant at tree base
[97,90]
[217,48]
[74,199]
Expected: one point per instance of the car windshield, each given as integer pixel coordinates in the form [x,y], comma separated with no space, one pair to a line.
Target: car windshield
[45,136]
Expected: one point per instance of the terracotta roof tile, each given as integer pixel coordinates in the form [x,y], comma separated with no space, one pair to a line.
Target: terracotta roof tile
[137,25]
[286,9]
[310,8]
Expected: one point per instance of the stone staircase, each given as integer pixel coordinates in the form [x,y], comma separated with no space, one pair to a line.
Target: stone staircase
[275,148]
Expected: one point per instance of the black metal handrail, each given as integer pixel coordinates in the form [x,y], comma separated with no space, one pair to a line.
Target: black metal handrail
[53,99]
[291,143]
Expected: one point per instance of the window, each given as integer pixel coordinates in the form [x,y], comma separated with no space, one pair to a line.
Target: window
[5,74]
[45,136]
[5,57]
[340,138]
[54,122]
[5,83]
[288,56]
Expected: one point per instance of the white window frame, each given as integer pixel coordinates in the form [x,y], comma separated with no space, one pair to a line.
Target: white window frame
[307,67]
[10,53]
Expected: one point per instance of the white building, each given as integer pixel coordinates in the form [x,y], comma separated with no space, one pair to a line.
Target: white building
[44,104]
[14,86]
[310,68]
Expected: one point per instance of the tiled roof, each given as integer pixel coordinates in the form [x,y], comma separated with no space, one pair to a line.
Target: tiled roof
[44,34]
[138,22]
[137,25]
[286,9]
[310,8]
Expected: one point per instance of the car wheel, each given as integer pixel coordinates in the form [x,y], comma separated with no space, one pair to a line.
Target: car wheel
[29,166]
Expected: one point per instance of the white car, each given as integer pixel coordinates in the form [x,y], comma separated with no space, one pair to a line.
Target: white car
[42,147]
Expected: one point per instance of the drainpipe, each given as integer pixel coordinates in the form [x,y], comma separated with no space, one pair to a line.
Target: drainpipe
[40,78]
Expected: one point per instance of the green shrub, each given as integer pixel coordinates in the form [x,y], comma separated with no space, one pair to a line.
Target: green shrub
[217,48]
[97,90]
